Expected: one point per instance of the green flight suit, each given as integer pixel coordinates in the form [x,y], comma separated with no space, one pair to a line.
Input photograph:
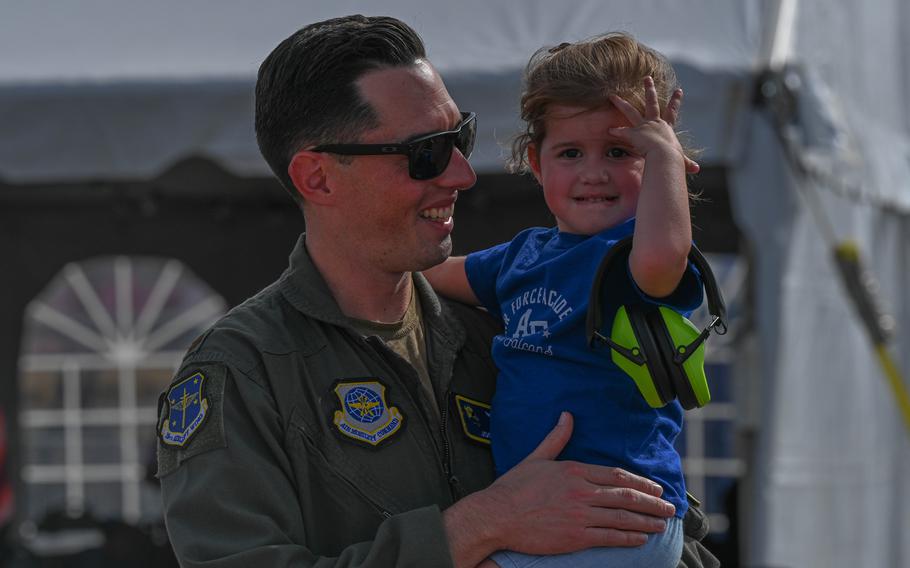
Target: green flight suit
[284,463]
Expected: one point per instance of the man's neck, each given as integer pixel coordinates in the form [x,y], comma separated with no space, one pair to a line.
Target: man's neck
[362,290]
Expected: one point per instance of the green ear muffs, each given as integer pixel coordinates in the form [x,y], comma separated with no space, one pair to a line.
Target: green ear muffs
[662,351]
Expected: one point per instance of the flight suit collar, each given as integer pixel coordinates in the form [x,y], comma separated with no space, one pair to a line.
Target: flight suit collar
[304,287]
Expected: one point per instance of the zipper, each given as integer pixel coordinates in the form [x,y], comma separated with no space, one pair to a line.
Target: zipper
[353,486]
[454,483]
[384,353]
[391,359]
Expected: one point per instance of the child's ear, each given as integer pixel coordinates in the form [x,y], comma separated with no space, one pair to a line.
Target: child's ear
[534,161]
[308,173]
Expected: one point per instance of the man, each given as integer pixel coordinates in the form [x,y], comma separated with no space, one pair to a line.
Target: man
[339,416]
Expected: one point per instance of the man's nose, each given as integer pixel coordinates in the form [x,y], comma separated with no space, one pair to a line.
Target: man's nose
[458,174]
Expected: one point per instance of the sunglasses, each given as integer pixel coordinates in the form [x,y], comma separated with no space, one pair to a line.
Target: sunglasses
[428,155]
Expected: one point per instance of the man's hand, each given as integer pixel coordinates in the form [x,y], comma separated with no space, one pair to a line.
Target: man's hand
[543,506]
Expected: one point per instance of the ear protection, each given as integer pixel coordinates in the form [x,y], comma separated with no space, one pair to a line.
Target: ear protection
[662,351]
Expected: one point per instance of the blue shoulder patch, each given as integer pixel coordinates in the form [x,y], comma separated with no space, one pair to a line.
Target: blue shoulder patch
[475,418]
[187,410]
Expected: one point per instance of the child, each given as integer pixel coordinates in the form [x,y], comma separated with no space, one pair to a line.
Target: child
[611,166]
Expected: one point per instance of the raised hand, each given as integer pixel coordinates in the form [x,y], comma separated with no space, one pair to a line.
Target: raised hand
[654,130]
[670,116]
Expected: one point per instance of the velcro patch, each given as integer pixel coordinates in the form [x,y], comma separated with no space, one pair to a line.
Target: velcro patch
[475,418]
[187,410]
[365,415]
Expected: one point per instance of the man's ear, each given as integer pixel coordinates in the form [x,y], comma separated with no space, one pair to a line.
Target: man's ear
[534,161]
[308,173]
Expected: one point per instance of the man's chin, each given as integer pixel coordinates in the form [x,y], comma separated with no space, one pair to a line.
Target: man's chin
[435,255]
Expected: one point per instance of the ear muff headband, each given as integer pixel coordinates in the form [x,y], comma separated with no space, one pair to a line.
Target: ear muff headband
[666,357]
[716,306]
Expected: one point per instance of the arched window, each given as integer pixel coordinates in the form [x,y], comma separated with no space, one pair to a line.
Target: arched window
[100,342]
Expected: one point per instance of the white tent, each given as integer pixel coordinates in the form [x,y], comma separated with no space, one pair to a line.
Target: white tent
[104,90]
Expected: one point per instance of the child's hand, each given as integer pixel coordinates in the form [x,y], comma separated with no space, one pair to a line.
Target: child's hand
[654,130]
[670,116]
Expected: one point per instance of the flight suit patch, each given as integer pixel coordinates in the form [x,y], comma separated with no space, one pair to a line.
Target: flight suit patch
[200,428]
[187,410]
[365,414]
[475,418]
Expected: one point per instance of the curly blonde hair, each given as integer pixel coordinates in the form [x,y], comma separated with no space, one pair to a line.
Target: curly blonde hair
[585,74]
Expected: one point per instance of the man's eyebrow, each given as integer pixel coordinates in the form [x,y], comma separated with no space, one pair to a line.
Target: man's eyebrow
[432,132]
[420,135]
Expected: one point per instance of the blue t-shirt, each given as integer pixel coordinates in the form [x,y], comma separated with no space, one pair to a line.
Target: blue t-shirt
[539,284]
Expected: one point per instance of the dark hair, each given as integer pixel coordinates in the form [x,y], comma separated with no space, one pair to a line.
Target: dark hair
[584,74]
[306,90]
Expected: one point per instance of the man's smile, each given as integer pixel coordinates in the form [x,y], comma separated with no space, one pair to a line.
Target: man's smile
[443,214]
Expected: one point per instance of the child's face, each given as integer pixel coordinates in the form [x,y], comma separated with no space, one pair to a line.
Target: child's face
[590,179]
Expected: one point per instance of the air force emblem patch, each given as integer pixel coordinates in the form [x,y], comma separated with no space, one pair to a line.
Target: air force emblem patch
[475,418]
[365,415]
[187,410]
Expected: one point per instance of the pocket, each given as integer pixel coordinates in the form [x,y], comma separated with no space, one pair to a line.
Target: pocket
[346,481]
[388,478]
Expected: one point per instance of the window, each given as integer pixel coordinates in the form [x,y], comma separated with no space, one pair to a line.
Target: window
[100,342]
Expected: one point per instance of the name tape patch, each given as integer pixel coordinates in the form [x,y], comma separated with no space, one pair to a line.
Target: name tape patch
[187,410]
[365,415]
[475,418]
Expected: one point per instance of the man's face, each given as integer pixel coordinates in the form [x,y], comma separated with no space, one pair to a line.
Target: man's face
[385,218]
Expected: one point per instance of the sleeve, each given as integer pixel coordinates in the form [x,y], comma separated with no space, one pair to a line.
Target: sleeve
[230,499]
[687,296]
[483,269]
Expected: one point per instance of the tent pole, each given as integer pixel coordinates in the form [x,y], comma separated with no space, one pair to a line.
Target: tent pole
[777,92]
[777,43]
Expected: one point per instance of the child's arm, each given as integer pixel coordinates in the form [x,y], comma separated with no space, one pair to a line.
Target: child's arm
[663,230]
[450,279]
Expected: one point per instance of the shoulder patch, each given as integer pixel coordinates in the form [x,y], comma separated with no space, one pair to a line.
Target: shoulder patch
[365,415]
[187,409]
[475,418]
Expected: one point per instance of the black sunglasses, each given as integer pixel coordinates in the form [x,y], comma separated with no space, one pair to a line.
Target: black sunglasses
[428,155]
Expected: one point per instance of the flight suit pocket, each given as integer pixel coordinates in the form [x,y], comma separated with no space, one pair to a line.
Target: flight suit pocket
[341,480]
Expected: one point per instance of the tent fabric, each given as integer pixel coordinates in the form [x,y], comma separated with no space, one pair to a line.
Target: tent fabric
[138,130]
[123,90]
[833,451]
[129,88]
[102,40]
[832,448]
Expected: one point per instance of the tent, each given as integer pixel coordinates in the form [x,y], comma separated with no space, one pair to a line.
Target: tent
[801,103]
